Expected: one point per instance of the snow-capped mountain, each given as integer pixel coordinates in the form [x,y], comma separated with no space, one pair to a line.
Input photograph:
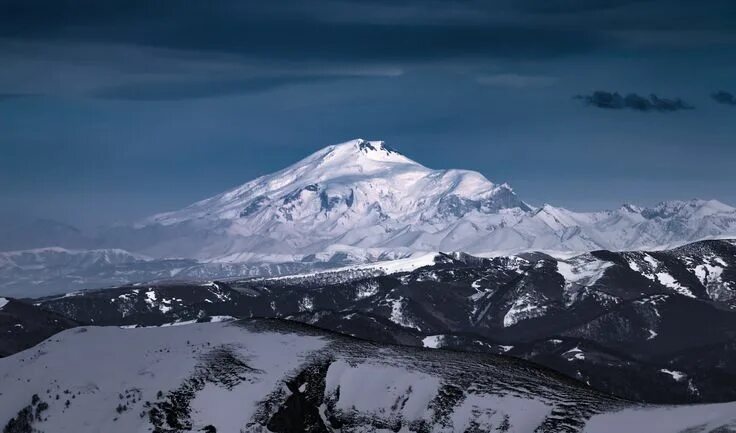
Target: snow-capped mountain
[353,203]
[275,376]
[364,200]
[358,195]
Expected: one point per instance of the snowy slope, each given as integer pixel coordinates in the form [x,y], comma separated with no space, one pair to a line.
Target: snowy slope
[281,377]
[363,196]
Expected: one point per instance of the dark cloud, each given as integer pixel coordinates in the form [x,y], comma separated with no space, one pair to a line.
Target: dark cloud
[180,90]
[258,30]
[614,101]
[328,34]
[723,97]
[360,29]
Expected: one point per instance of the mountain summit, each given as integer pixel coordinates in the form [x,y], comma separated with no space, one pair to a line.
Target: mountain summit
[362,200]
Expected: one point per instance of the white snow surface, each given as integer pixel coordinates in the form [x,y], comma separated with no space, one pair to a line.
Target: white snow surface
[3,302]
[668,280]
[432,341]
[99,368]
[695,418]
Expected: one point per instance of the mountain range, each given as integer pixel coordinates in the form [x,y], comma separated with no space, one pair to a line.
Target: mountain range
[356,202]
[650,326]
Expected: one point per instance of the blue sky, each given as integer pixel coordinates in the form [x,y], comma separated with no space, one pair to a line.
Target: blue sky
[111,111]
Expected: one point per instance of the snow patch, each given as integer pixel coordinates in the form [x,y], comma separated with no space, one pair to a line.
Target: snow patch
[306,304]
[694,418]
[366,289]
[676,375]
[574,354]
[387,385]
[487,413]
[668,280]
[524,307]
[579,273]
[398,315]
[432,341]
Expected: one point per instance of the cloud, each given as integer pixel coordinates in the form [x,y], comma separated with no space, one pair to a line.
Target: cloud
[127,72]
[517,81]
[723,97]
[614,101]
[164,90]
[324,33]
[291,31]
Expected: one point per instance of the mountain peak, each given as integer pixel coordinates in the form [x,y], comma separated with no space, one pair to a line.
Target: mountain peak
[630,208]
[361,151]
[367,146]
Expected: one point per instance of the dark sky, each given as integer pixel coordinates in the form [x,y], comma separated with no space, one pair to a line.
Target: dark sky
[113,110]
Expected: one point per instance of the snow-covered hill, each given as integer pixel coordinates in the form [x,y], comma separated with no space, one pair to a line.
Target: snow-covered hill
[614,320]
[273,376]
[364,200]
